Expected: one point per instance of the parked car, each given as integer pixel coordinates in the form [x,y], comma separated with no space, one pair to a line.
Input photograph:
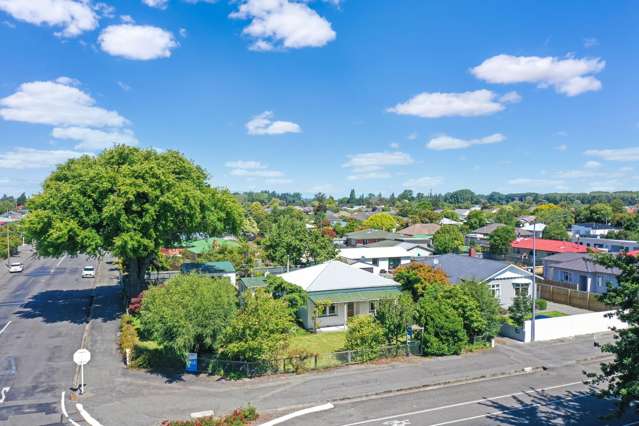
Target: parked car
[16,267]
[88,272]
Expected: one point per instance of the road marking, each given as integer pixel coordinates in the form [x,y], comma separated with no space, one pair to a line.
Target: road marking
[198,414]
[496,413]
[5,327]
[58,264]
[461,404]
[64,410]
[299,413]
[86,416]
[3,393]
[631,424]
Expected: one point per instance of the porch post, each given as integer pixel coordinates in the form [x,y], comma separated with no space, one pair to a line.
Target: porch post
[345,314]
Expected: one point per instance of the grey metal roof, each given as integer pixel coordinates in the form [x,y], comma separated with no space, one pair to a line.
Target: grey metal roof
[459,267]
[372,234]
[564,257]
[488,229]
[584,263]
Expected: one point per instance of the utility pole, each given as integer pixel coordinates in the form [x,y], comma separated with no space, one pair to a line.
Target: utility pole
[534,283]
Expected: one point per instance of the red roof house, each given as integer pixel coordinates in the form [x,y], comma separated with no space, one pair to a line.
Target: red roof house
[550,246]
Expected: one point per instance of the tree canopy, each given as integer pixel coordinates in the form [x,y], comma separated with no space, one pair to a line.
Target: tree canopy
[130,202]
[448,239]
[293,295]
[555,231]
[499,241]
[415,277]
[383,221]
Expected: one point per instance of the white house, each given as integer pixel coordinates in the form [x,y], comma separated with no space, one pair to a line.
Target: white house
[591,229]
[344,291]
[504,280]
[386,258]
[606,244]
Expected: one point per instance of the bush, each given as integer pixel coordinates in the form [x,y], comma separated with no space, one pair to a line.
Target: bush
[299,358]
[541,304]
[128,334]
[365,336]
[520,310]
[442,327]
[239,417]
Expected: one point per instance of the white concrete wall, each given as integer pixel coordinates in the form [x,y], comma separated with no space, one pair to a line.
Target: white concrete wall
[568,326]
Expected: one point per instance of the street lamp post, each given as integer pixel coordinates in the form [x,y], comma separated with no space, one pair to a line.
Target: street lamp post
[534,283]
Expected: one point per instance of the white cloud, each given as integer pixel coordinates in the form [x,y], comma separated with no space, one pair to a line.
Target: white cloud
[394,145]
[621,154]
[412,136]
[561,133]
[127,19]
[183,32]
[283,23]
[568,76]
[536,183]
[74,16]
[94,140]
[590,42]
[138,42]
[124,86]
[445,142]
[245,164]
[562,147]
[510,98]
[423,182]
[592,165]
[58,104]
[159,4]
[283,181]
[256,173]
[435,105]
[29,158]
[372,165]
[263,124]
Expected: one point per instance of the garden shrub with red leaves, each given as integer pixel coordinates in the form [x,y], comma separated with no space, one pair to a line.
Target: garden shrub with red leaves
[239,417]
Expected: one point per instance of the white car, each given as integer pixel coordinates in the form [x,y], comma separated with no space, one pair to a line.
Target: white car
[88,272]
[16,267]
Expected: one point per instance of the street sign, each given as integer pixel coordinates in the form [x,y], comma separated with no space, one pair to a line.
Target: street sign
[82,357]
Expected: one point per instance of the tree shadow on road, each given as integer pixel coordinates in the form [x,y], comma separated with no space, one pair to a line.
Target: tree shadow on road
[542,408]
[53,306]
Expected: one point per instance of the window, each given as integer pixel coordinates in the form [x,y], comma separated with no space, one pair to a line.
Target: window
[565,276]
[376,262]
[495,289]
[329,311]
[521,289]
[372,308]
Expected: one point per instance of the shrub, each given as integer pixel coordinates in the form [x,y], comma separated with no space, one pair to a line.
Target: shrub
[365,336]
[520,310]
[298,359]
[442,327]
[541,304]
[128,334]
[239,417]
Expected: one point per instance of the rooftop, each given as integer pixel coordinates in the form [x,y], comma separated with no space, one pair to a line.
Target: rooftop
[582,263]
[369,252]
[460,267]
[372,234]
[593,225]
[488,229]
[421,229]
[555,246]
[223,267]
[336,275]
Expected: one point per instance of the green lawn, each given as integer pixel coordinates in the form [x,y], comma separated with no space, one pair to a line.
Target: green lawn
[551,314]
[320,343]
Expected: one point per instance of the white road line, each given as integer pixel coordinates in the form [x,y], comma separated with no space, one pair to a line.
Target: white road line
[64,410]
[299,413]
[496,413]
[86,416]
[58,264]
[631,424]
[5,327]
[461,404]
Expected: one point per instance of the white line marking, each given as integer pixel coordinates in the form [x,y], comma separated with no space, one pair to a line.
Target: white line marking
[5,327]
[631,424]
[198,414]
[461,404]
[496,413]
[58,264]
[3,393]
[86,416]
[299,413]
[64,410]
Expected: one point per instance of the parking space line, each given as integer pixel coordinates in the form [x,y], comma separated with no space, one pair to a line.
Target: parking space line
[461,404]
[5,327]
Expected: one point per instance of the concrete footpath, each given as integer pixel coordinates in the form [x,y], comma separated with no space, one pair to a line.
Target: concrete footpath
[116,395]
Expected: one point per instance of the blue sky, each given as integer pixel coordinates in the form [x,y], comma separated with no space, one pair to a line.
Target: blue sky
[375,95]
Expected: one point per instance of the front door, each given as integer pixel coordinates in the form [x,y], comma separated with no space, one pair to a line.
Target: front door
[583,283]
[350,309]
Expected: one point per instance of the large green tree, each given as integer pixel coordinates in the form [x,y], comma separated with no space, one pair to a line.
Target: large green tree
[621,375]
[416,277]
[289,241]
[365,336]
[499,241]
[130,202]
[442,326]
[448,239]
[188,313]
[395,315]
[383,221]
[488,305]
[476,219]
[294,296]
[555,231]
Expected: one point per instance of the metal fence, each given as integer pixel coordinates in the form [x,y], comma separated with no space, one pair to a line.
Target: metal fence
[212,365]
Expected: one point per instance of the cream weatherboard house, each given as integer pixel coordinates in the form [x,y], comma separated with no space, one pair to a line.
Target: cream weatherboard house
[343,290]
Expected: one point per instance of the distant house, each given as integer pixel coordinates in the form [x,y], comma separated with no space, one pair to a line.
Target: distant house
[368,236]
[345,291]
[591,229]
[205,244]
[481,235]
[462,213]
[528,229]
[416,249]
[446,221]
[504,280]
[607,244]
[386,258]
[526,220]
[212,269]
[581,270]
[420,230]
[522,248]
[362,216]
[335,219]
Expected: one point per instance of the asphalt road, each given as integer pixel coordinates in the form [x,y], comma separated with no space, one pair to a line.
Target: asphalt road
[556,397]
[42,317]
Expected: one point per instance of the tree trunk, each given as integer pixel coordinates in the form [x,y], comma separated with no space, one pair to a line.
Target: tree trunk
[136,270]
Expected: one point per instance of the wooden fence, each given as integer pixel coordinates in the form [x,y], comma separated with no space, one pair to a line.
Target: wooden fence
[572,297]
